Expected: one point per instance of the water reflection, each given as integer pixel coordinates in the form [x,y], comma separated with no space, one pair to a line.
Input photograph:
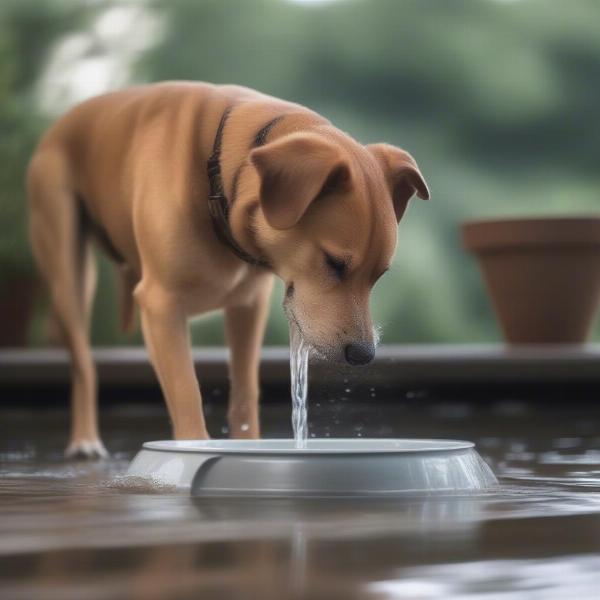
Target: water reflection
[565,577]
[344,518]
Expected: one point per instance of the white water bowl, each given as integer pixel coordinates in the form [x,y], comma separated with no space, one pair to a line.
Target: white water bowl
[324,467]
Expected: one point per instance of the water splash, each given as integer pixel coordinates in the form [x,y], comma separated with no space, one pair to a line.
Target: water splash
[299,351]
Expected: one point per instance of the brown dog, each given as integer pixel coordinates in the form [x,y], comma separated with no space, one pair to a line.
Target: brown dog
[200,193]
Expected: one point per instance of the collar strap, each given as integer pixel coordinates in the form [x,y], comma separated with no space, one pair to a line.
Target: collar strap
[218,205]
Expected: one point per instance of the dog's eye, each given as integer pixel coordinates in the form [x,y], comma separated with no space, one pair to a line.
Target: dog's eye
[337,265]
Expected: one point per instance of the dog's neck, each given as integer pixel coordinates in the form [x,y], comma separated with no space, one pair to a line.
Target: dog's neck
[218,203]
[233,203]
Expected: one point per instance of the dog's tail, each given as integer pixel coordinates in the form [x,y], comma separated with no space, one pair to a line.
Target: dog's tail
[127,313]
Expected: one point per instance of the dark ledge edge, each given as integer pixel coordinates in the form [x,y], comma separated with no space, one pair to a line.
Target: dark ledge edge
[404,365]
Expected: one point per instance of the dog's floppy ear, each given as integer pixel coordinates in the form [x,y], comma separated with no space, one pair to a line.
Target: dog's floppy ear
[294,171]
[403,175]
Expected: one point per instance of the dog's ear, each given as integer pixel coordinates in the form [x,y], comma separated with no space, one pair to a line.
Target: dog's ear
[403,175]
[294,171]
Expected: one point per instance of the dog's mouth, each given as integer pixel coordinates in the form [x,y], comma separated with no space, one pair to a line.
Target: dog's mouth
[318,351]
[334,353]
[292,319]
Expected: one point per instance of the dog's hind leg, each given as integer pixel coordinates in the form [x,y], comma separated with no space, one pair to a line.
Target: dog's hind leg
[63,252]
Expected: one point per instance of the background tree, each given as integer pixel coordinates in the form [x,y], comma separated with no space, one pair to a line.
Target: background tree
[498,101]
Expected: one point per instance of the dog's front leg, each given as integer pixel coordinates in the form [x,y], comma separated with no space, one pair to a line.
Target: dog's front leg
[245,327]
[166,333]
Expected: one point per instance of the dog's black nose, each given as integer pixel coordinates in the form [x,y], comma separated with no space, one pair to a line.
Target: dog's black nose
[359,354]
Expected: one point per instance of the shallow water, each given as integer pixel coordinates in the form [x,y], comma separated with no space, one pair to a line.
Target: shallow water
[70,530]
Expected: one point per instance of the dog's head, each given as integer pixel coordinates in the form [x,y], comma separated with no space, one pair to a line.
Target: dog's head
[329,209]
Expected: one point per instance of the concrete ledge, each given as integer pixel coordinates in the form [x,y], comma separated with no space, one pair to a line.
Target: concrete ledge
[403,365]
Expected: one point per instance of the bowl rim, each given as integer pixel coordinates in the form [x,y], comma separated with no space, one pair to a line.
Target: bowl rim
[314,446]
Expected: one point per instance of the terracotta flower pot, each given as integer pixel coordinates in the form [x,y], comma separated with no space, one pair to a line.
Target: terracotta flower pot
[543,275]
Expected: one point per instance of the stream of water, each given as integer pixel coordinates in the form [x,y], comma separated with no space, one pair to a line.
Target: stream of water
[299,351]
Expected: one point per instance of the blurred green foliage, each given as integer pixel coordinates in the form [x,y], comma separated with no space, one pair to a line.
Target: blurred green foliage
[498,101]
[27,32]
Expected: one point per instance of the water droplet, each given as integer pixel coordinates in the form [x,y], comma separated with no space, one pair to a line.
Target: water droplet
[245,427]
[348,390]
[224,429]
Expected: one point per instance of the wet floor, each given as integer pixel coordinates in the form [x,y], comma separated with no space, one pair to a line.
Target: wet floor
[73,530]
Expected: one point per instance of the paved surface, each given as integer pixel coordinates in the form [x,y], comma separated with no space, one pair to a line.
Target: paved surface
[71,530]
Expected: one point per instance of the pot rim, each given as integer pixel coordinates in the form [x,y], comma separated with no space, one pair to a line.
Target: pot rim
[536,231]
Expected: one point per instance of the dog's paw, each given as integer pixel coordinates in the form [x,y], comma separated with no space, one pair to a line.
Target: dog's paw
[86,449]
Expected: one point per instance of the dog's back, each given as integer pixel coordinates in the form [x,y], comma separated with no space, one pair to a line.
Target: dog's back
[143,170]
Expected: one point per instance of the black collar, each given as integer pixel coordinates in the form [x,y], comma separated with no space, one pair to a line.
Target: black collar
[218,205]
